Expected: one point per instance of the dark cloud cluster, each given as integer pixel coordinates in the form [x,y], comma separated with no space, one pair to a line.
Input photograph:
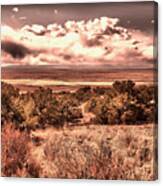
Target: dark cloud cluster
[14,49]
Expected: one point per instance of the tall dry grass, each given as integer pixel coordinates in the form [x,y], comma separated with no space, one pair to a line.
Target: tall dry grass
[94,152]
[16,160]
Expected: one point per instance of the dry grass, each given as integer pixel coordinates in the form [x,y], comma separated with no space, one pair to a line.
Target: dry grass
[16,160]
[90,152]
[96,152]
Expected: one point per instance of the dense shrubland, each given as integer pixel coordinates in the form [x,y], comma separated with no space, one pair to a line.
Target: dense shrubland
[123,103]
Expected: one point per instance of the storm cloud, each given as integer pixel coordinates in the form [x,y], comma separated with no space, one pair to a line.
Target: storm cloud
[14,49]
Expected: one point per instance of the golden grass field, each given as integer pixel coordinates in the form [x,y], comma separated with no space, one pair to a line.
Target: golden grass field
[95,152]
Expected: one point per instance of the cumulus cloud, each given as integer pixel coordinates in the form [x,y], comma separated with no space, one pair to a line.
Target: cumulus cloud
[94,42]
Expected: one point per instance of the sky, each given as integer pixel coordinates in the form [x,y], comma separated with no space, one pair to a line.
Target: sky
[115,34]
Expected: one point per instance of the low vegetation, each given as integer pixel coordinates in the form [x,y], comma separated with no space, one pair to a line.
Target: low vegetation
[16,148]
[97,152]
